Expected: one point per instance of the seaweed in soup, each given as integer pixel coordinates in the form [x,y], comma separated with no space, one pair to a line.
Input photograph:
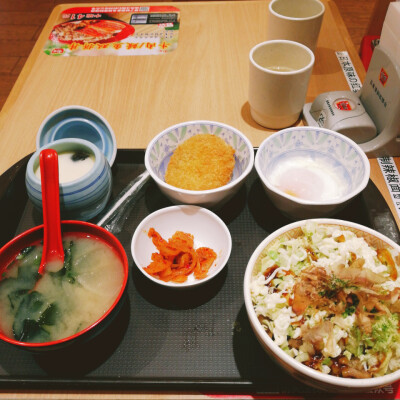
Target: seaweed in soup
[59,304]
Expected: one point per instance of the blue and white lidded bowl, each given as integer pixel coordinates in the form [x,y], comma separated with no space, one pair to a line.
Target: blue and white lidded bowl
[81,198]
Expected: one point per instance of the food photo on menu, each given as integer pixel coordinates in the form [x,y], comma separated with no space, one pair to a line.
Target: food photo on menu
[130,30]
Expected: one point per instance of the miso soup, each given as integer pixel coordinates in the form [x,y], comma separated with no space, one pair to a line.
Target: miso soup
[56,305]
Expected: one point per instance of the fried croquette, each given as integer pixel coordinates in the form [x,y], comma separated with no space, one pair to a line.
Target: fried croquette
[202,162]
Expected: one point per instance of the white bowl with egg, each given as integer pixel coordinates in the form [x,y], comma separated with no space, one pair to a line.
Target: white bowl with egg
[85,178]
[310,172]
[162,147]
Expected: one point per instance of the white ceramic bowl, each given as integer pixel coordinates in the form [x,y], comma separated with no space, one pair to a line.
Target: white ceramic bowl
[206,227]
[329,167]
[161,148]
[298,370]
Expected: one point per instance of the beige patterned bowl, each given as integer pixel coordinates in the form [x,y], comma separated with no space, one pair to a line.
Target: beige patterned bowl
[321,171]
[161,148]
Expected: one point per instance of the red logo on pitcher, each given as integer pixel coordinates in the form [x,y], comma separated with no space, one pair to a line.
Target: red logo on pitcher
[383,77]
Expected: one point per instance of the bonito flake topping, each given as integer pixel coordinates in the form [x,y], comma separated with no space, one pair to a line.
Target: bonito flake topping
[331,301]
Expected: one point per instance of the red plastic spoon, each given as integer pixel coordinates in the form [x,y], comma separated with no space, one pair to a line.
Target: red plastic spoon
[53,252]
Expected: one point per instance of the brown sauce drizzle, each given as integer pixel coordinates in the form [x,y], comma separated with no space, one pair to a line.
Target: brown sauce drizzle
[270,271]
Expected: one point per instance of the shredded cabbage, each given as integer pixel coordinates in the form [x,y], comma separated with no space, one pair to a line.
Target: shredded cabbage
[331,301]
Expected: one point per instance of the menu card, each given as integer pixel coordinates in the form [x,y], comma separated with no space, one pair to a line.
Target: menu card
[114,30]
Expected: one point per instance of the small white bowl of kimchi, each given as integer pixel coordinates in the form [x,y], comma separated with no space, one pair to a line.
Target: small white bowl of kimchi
[181,246]
[323,299]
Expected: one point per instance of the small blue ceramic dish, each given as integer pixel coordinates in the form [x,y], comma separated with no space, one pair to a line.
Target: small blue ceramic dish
[78,122]
[81,198]
[311,172]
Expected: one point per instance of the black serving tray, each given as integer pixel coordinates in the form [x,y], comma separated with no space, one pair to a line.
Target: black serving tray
[164,339]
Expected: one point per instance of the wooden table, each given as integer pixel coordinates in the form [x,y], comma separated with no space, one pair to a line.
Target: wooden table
[206,77]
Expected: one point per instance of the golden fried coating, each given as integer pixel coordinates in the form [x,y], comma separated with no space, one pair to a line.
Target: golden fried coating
[201,162]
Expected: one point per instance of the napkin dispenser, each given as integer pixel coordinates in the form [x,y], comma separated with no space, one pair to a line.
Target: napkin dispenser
[370,117]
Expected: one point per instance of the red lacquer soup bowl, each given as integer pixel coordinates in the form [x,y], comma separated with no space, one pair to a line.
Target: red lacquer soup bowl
[75,229]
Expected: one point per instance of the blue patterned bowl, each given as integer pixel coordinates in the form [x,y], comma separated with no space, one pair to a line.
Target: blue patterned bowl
[78,122]
[82,198]
[311,172]
[161,148]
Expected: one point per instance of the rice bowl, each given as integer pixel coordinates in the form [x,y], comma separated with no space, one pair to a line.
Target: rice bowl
[322,299]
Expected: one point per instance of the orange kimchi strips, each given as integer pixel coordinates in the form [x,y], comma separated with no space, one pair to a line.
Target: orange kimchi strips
[177,258]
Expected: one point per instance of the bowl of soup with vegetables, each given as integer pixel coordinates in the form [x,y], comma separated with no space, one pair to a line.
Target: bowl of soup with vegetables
[84,174]
[51,310]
